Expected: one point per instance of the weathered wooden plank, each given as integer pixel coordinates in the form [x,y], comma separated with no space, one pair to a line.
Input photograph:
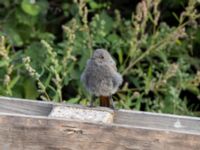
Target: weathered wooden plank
[18,132]
[28,107]
[177,123]
[25,124]
[124,117]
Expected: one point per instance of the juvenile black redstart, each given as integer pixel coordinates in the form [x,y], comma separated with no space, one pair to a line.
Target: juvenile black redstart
[101,78]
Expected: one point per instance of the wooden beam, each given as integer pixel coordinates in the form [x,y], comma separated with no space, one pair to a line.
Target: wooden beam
[30,132]
[166,122]
[131,130]
[28,107]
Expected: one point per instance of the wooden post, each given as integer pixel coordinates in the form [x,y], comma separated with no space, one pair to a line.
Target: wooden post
[26,125]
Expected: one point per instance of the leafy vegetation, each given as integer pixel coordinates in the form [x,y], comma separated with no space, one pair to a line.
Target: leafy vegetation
[44,47]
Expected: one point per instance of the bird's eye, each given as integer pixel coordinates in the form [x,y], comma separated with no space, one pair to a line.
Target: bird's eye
[102,57]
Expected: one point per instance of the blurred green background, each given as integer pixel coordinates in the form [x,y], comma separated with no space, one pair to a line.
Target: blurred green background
[45,44]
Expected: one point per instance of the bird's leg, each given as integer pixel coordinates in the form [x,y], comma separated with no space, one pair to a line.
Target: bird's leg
[111,102]
[92,101]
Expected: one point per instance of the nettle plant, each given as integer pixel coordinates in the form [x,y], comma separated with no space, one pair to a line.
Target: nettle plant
[154,58]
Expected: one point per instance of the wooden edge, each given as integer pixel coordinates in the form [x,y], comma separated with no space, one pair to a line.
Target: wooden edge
[159,114]
[158,121]
[28,107]
[47,104]
[26,100]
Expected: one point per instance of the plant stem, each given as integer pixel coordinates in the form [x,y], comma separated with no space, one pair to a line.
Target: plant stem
[159,44]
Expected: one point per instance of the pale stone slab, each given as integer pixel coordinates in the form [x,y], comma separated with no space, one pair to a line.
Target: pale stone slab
[82,114]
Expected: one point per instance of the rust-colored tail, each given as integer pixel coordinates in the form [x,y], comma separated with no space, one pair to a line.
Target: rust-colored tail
[104,101]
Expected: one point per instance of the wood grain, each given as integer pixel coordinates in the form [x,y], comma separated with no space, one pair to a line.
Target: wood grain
[28,107]
[25,125]
[18,132]
[176,123]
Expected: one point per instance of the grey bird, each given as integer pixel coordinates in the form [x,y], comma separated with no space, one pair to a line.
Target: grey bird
[101,78]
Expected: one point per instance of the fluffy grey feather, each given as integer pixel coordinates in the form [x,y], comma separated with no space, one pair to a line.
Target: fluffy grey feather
[100,76]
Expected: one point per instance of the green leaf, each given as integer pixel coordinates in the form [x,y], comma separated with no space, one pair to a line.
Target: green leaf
[24,18]
[74,100]
[3,63]
[13,82]
[13,35]
[148,79]
[94,5]
[31,7]
[48,79]
[30,90]
[38,55]
[120,56]
[138,103]
[192,88]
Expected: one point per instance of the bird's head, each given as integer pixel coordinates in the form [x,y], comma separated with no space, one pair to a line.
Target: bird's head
[103,56]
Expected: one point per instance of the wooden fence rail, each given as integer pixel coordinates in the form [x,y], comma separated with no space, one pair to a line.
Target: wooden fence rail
[27,125]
